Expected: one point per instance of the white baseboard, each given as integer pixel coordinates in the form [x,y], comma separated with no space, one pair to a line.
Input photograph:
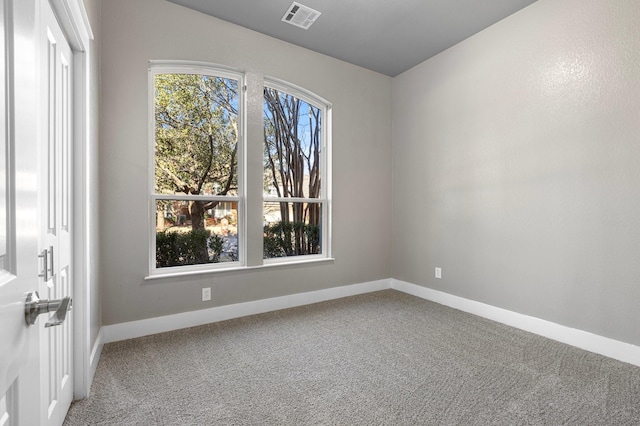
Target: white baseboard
[588,341]
[84,376]
[96,351]
[133,329]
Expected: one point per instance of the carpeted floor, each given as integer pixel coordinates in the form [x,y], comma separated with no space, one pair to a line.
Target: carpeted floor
[383,358]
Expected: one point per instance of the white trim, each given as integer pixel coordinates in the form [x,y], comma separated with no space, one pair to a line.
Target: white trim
[81,226]
[157,67]
[178,66]
[326,161]
[604,346]
[584,340]
[74,21]
[294,260]
[97,350]
[94,357]
[289,260]
[207,197]
[133,329]
[271,199]
[299,92]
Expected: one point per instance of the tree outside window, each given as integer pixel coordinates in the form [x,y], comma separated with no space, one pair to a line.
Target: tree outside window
[293,168]
[195,168]
[199,213]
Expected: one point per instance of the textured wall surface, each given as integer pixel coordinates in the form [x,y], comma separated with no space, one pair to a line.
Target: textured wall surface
[136,32]
[516,167]
[515,164]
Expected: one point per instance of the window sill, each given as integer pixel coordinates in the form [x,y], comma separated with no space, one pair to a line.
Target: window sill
[238,268]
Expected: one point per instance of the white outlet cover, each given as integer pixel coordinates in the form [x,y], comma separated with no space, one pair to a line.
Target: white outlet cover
[206,294]
[438,272]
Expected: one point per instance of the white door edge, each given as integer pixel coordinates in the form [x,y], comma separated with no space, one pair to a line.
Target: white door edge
[73,20]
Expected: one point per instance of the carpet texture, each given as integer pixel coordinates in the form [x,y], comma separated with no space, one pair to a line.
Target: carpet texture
[383,358]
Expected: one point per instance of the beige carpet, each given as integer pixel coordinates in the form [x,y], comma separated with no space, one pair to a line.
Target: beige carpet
[383,358]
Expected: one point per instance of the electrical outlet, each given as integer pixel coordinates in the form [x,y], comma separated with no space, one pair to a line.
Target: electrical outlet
[206,294]
[438,272]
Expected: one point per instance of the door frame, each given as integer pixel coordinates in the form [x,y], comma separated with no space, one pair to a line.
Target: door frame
[74,22]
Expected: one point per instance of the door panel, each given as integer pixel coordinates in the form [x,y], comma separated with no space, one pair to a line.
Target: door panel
[17,202]
[18,207]
[35,196]
[8,409]
[56,342]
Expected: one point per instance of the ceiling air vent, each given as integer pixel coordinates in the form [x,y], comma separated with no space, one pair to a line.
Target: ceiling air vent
[300,15]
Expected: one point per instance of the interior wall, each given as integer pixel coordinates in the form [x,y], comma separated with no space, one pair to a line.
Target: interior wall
[134,33]
[516,167]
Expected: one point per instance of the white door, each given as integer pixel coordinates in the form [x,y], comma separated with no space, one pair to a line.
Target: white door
[35,64]
[56,384]
[18,202]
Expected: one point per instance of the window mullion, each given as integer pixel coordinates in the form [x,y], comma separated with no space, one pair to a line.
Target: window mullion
[197,197]
[293,200]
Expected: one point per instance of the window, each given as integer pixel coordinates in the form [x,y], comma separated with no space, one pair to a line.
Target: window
[197,162]
[197,153]
[295,207]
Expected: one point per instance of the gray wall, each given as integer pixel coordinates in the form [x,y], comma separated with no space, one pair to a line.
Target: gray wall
[516,167]
[133,32]
[515,164]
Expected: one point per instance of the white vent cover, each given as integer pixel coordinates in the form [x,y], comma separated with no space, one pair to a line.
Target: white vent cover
[300,15]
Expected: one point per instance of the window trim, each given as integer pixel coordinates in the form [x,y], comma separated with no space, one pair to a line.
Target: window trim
[198,68]
[244,215]
[325,171]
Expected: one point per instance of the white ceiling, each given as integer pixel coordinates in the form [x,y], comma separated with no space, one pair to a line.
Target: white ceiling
[387,36]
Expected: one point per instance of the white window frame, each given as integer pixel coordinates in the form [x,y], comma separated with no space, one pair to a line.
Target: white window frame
[325,172]
[189,67]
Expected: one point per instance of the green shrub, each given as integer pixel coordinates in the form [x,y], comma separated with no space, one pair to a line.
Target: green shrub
[194,247]
[290,239]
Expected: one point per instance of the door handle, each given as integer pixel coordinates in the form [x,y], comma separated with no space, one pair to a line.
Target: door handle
[34,307]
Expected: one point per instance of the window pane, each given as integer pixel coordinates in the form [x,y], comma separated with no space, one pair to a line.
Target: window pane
[196,232]
[292,229]
[196,134]
[292,146]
